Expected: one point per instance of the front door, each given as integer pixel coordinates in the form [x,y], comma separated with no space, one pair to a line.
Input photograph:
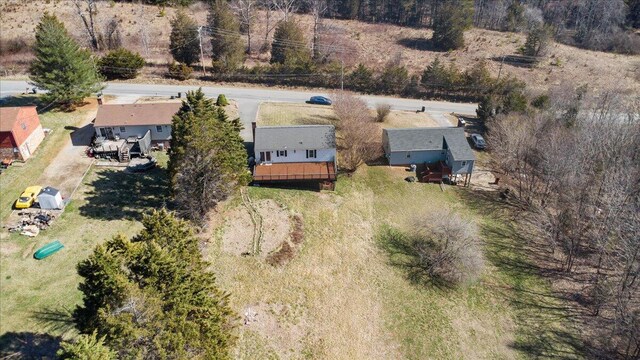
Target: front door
[265,156]
[103,132]
[109,133]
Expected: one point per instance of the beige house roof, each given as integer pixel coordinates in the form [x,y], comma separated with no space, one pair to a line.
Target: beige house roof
[9,116]
[136,114]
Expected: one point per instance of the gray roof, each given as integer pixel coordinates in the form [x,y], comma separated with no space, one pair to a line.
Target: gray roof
[415,139]
[301,137]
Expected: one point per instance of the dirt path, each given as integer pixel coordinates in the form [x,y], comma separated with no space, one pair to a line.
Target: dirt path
[68,167]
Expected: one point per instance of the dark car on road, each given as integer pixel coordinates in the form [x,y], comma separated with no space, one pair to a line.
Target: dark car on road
[319,100]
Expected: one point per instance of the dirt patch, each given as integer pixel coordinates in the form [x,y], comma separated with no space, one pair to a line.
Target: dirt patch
[483,179]
[284,254]
[297,230]
[238,232]
[275,226]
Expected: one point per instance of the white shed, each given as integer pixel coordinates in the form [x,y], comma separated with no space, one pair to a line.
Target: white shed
[50,198]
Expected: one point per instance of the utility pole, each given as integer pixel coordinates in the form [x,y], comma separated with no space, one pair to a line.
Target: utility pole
[204,72]
[342,73]
[501,63]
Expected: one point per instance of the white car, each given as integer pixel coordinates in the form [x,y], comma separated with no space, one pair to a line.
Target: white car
[478,141]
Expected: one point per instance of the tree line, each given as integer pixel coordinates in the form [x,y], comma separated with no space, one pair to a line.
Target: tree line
[572,159]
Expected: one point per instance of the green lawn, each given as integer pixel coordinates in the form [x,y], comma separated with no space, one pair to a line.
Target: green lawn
[340,296]
[16,178]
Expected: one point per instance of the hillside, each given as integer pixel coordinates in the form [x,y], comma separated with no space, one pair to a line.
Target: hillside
[371,44]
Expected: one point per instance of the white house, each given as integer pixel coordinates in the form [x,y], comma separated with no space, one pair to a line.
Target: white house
[121,121]
[295,153]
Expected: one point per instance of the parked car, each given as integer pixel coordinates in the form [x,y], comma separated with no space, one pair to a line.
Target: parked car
[28,197]
[319,100]
[478,141]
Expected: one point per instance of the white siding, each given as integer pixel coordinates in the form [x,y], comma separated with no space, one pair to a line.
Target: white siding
[322,155]
[459,167]
[140,130]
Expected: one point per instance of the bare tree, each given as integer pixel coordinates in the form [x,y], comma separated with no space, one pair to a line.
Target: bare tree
[269,23]
[87,10]
[448,247]
[358,134]
[285,7]
[317,8]
[245,10]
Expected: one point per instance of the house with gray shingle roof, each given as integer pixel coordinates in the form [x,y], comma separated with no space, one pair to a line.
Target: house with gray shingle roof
[294,153]
[404,147]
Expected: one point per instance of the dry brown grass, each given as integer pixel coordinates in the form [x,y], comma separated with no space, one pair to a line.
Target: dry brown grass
[573,65]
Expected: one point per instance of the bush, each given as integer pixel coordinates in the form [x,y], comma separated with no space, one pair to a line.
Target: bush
[121,64]
[382,111]
[444,249]
[222,100]
[179,71]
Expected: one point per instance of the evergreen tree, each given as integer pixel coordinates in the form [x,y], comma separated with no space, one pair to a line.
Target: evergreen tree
[435,75]
[86,347]
[537,42]
[166,303]
[226,43]
[451,20]
[207,160]
[393,79]
[288,46]
[361,79]
[515,16]
[121,64]
[184,44]
[61,66]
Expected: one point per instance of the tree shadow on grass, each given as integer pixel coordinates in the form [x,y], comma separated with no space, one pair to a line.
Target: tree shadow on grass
[118,195]
[419,43]
[55,320]
[28,345]
[546,320]
[403,255]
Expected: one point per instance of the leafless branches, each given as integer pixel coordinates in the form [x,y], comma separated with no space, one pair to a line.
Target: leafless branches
[87,10]
[358,134]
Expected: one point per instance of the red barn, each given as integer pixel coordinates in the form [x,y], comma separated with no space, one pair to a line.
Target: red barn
[20,132]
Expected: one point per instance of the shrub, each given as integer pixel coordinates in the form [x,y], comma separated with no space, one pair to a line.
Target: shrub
[179,71]
[382,111]
[121,64]
[222,100]
[443,249]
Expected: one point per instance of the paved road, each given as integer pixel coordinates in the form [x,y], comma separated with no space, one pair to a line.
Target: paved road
[249,98]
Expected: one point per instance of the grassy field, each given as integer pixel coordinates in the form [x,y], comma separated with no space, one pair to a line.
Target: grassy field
[278,113]
[37,297]
[340,296]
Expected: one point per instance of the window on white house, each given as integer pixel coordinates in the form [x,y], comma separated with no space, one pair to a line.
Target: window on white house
[282,153]
[159,128]
[311,154]
[123,129]
[464,163]
[408,154]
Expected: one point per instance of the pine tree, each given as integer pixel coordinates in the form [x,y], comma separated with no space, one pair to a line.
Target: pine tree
[435,75]
[289,47]
[167,304]
[393,78]
[61,67]
[207,160]
[184,44]
[86,347]
[361,79]
[450,22]
[121,64]
[537,42]
[227,48]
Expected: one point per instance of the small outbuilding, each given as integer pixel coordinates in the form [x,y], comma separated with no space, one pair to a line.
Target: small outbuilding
[50,199]
[20,132]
